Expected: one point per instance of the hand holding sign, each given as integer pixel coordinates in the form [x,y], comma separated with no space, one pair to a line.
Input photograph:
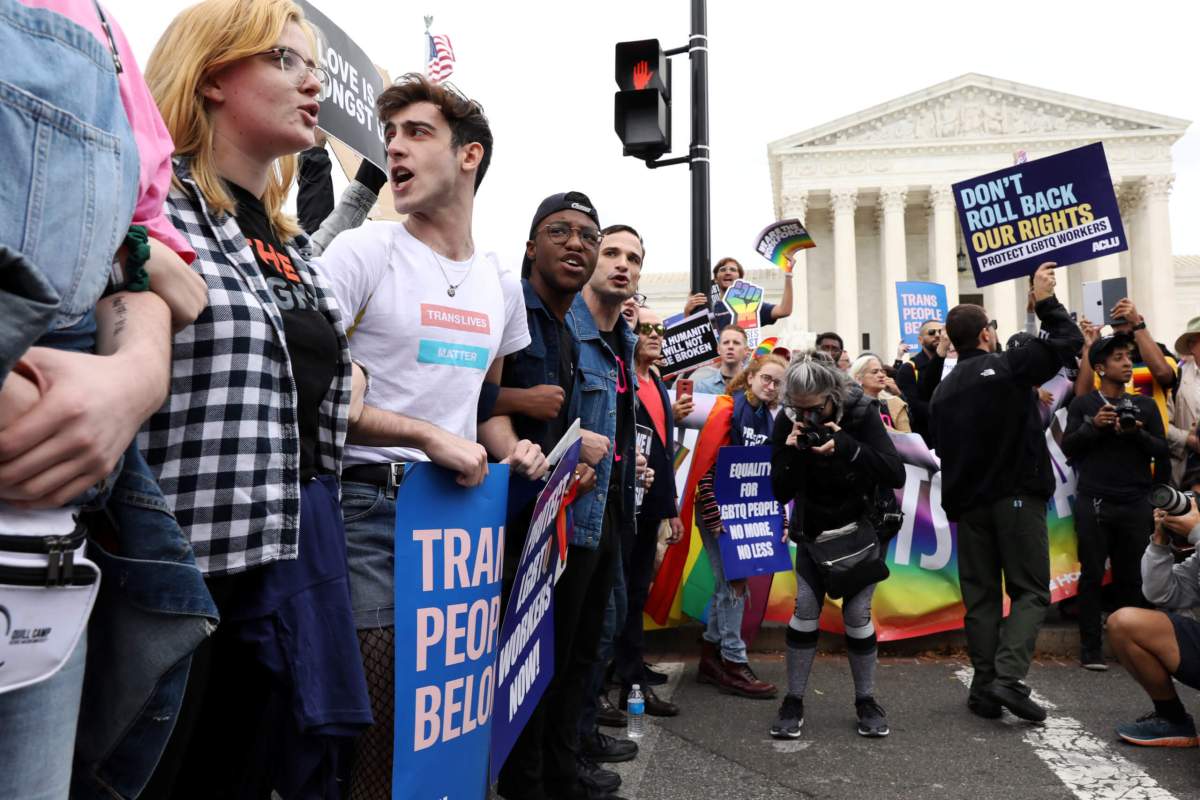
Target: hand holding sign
[744,300]
[1044,281]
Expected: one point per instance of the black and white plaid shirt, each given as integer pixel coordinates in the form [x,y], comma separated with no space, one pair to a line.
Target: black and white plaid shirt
[226,445]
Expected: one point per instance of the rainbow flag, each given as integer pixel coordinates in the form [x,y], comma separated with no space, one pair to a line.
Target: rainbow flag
[780,241]
[922,596]
[766,346]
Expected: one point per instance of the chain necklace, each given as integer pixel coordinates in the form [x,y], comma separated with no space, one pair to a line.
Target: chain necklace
[451,288]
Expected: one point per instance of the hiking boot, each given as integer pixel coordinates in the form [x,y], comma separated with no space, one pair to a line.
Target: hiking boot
[737,678]
[790,720]
[872,719]
[709,670]
[1155,731]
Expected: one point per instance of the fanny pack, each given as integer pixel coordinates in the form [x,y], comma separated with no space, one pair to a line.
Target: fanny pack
[47,589]
[849,558]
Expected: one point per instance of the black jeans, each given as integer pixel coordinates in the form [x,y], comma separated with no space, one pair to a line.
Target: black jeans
[1107,529]
[543,759]
[639,573]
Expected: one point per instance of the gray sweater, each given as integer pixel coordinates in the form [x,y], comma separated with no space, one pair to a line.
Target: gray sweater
[1167,584]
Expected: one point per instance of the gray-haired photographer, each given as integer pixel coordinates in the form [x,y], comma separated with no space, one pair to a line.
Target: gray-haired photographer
[1161,644]
[832,455]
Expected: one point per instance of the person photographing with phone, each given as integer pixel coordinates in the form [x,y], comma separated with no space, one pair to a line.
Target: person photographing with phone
[1157,645]
[833,457]
[1116,443]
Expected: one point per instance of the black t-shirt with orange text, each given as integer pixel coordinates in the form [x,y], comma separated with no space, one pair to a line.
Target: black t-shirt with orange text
[311,341]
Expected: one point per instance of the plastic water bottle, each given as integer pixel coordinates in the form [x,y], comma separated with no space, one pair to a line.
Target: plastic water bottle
[636,706]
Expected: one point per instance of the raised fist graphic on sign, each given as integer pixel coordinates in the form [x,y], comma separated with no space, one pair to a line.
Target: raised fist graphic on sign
[744,300]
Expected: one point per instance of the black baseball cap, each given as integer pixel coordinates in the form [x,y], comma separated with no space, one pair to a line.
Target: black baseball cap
[564,201]
[1103,346]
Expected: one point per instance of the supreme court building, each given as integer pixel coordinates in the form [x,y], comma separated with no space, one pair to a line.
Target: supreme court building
[873,189]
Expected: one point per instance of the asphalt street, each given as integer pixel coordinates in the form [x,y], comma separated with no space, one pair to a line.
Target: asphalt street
[719,747]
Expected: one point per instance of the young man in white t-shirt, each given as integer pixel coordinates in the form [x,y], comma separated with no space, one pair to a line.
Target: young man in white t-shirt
[432,318]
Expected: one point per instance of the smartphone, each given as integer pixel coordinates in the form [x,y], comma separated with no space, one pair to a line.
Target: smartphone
[684,386]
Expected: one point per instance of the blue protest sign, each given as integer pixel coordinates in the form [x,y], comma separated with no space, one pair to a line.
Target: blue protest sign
[750,515]
[918,302]
[449,557]
[1060,208]
[527,636]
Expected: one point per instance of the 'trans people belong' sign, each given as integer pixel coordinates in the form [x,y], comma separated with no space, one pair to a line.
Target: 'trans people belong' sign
[448,567]
[917,303]
[348,98]
[1060,208]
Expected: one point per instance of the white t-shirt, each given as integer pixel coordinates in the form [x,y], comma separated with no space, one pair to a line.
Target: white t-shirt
[427,352]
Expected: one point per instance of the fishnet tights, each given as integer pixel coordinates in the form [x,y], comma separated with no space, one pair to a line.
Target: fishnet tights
[372,776]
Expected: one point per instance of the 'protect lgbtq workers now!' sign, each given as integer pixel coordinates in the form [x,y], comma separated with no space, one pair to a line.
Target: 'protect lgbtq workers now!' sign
[1060,208]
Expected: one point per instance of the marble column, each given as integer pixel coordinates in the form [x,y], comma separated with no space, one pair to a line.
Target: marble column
[1131,260]
[943,267]
[1159,264]
[795,206]
[1110,266]
[895,266]
[845,267]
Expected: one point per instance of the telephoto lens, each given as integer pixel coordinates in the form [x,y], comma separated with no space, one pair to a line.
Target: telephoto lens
[1171,500]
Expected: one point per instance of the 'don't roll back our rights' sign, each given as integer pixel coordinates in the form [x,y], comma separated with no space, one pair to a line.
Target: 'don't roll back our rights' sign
[1060,208]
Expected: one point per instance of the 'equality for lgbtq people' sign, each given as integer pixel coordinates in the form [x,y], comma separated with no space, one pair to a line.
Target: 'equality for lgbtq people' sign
[449,563]
[1060,208]
[751,517]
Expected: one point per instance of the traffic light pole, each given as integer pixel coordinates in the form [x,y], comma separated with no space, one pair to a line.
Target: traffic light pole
[698,55]
[697,158]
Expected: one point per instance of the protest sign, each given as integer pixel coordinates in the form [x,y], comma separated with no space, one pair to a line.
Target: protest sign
[745,303]
[348,98]
[644,442]
[780,241]
[918,302]
[449,562]
[1060,208]
[751,516]
[526,662]
[688,344]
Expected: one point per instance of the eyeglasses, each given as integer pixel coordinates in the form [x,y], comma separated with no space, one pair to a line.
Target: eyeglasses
[800,410]
[639,299]
[295,67]
[647,328]
[933,331]
[767,380]
[560,233]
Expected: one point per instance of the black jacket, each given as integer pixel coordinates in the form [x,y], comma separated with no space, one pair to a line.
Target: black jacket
[918,406]
[985,419]
[834,490]
[660,501]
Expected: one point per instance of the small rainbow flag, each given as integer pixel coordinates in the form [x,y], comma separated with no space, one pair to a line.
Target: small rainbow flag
[766,346]
[780,241]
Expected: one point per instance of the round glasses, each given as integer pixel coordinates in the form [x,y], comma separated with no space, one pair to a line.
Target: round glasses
[560,233]
[295,67]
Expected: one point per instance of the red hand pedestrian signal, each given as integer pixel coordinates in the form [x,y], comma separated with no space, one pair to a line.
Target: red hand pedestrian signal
[642,74]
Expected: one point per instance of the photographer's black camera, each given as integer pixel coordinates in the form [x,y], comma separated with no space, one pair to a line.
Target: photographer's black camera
[1171,500]
[1127,415]
[808,439]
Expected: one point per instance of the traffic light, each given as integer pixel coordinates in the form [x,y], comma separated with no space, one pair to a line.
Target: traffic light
[643,105]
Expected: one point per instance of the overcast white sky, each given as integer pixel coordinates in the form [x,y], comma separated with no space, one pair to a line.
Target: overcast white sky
[544,73]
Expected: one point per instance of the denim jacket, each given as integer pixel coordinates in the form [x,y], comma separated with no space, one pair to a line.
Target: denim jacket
[537,364]
[596,388]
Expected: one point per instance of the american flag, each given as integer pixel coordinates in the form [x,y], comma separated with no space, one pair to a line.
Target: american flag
[441,58]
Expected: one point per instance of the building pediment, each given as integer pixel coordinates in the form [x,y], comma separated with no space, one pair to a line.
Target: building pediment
[977,107]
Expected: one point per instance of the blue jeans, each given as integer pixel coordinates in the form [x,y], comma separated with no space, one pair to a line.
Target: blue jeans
[724,626]
[370,518]
[37,731]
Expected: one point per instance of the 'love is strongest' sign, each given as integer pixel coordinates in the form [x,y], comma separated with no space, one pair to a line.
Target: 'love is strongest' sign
[1060,208]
